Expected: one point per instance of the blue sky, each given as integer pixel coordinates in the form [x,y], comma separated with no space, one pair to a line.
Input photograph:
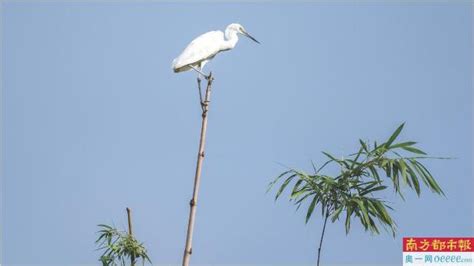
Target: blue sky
[94,121]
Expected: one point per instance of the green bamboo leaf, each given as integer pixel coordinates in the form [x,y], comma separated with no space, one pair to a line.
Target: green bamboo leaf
[373,227]
[402,144]
[364,185]
[357,213]
[367,191]
[300,192]
[363,209]
[374,173]
[324,165]
[355,162]
[403,170]
[300,200]
[419,172]
[336,214]
[270,186]
[394,135]
[284,185]
[396,180]
[348,219]
[433,184]
[414,180]
[364,145]
[311,208]
[330,156]
[383,212]
[414,150]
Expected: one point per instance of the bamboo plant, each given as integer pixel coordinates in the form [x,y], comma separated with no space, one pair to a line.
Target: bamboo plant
[120,247]
[351,194]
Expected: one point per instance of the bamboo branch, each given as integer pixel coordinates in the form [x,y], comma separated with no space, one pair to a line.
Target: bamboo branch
[197,178]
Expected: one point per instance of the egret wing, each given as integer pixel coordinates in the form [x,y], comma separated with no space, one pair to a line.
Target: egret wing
[203,47]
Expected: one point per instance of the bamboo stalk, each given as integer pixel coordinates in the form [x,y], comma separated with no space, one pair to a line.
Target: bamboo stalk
[197,177]
[130,232]
[322,235]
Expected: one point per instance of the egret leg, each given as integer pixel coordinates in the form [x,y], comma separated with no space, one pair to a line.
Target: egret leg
[200,72]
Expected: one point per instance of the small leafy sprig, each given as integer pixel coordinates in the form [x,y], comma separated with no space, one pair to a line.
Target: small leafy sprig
[119,247]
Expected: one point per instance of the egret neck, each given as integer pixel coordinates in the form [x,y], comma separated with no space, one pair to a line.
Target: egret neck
[231,39]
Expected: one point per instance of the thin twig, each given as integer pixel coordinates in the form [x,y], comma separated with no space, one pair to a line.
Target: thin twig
[130,232]
[322,235]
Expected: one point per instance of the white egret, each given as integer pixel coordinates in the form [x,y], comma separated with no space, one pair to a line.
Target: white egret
[202,49]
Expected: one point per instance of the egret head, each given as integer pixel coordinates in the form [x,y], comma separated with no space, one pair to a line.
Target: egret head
[239,29]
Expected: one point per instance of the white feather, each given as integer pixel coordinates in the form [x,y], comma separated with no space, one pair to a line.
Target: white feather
[204,47]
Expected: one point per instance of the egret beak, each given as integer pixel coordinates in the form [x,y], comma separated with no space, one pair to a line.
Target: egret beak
[250,37]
